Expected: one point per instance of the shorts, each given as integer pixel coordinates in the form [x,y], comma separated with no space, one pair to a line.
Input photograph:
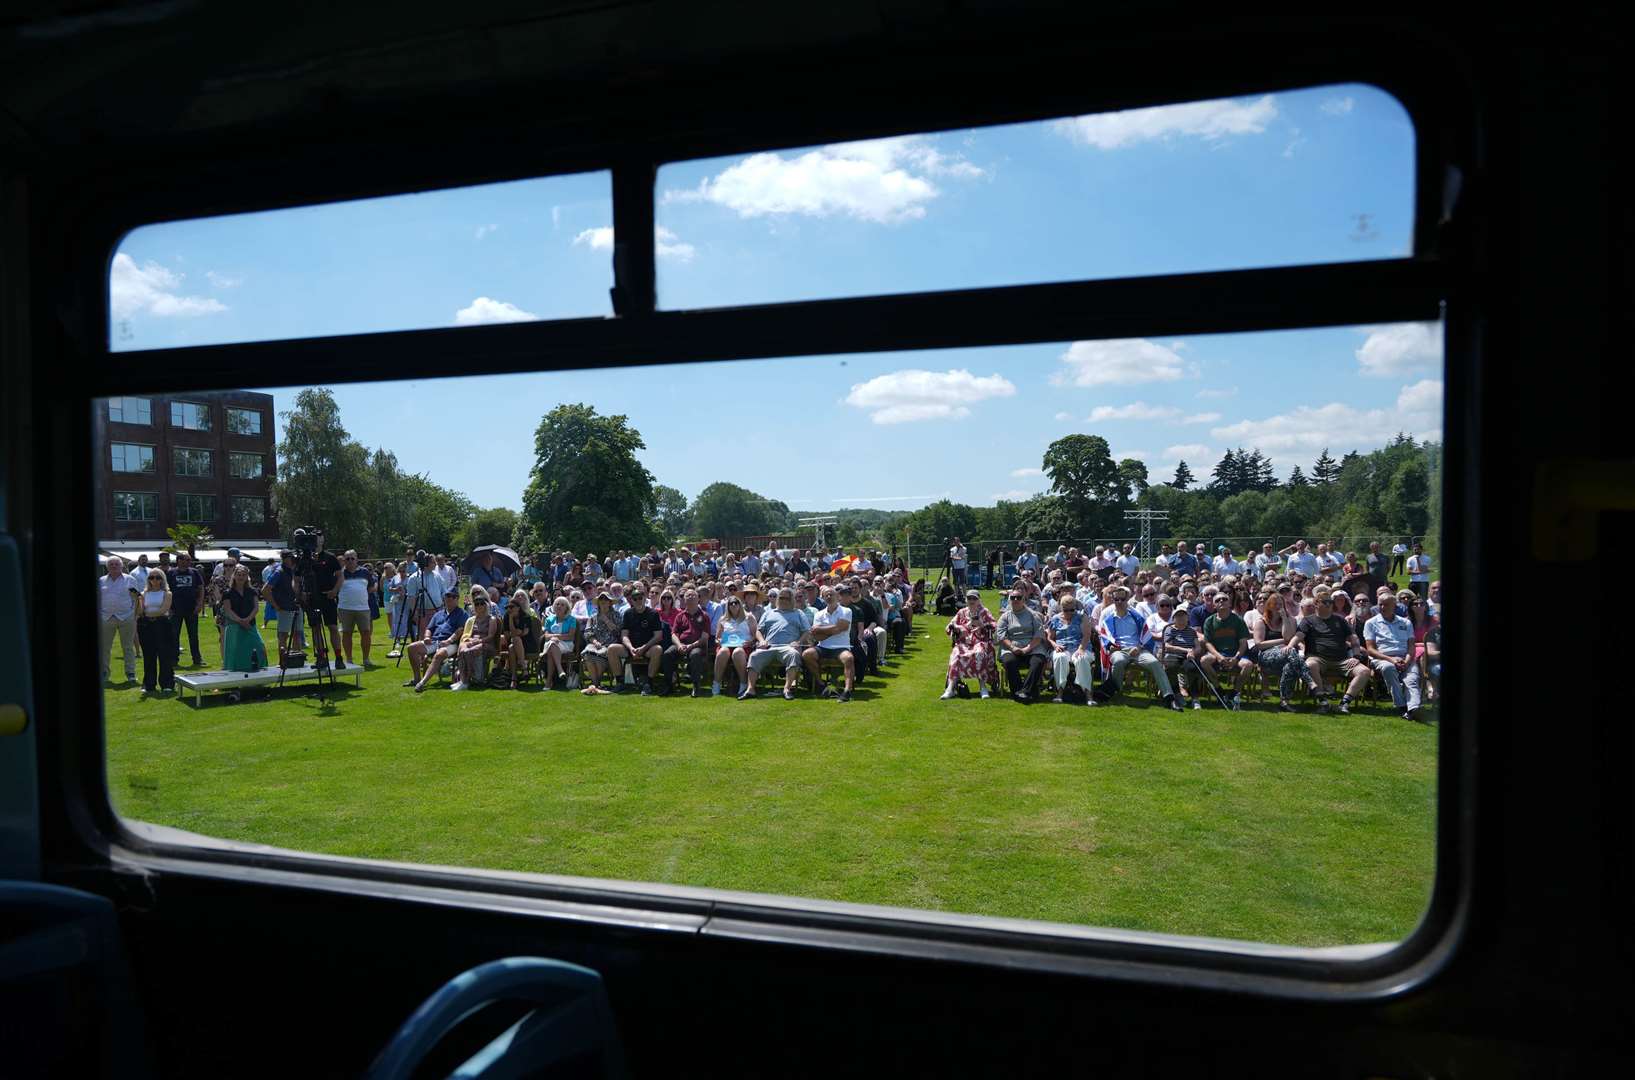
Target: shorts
[287,620]
[760,659]
[355,620]
[1330,669]
[325,609]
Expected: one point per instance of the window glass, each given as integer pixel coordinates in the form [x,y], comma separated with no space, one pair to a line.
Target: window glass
[243,466]
[136,506]
[243,421]
[1302,827]
[190,462]
[130,410]
[249,511]
[196,508]
[512,252]
[129,457]
[192,416]
[1310,176]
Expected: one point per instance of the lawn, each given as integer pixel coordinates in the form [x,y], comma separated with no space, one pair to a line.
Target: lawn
[1299,829]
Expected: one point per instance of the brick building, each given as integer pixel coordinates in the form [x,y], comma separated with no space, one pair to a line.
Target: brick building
[203,459]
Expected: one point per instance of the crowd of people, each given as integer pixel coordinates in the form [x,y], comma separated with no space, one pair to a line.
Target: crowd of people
[1301,617]
[1199,626]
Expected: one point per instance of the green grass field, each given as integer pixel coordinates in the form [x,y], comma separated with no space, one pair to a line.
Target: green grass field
[1298,829]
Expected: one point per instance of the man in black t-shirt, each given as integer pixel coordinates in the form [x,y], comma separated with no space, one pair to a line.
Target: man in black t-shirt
[642,632]
[326,579]
[186,602]
[1330,646]
[868,631]
[1378,567]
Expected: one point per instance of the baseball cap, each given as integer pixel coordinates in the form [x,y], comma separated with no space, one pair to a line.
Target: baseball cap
[233,552]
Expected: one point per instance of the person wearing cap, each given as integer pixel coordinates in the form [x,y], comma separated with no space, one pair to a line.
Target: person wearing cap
[972,635]
[753,607]
[1021,636]
[604,640]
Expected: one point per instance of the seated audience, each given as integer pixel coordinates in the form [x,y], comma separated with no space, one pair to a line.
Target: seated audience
[831,639]
[781,635]
[972,633]
[477,642]
[1071,640]
[1328,643]
[1125,636]
[556,644]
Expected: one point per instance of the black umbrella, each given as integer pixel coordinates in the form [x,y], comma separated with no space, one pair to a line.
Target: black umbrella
[504,558]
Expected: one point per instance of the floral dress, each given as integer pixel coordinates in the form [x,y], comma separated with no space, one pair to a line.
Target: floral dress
[973,647]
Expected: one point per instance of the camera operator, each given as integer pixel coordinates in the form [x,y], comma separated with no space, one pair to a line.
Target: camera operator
[423,593]
[326,587]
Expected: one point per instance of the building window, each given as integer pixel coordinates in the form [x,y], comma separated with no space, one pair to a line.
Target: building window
[131,457]
[189,415]
[130,410]
[197,509]
[136,506]
[243,421]
[249,511]
[244,466]
[190,462]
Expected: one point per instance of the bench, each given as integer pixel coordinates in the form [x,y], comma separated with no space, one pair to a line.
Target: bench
[218,682]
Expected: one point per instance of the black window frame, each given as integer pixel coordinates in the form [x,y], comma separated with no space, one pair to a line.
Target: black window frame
[153,458]
[154,495]
[209,416]
[215,508]
[227,420]
[1436,281]
[260,468]
[177,453]
[232,515]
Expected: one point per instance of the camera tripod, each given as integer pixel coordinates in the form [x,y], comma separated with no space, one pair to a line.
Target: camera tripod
[411,617]
[288,658]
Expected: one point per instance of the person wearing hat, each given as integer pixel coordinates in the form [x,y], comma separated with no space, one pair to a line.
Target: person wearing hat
[752,601]
[972,634]
[604,648]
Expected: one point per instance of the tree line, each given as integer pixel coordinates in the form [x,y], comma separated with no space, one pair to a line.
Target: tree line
[588,491]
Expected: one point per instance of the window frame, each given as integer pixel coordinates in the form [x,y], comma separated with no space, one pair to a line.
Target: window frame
[232,517]
[154,495]
[176,456]
[214,517]
[260,468]
[153,458]
[227,421]
[209,416]
[130,397]
[1432,282]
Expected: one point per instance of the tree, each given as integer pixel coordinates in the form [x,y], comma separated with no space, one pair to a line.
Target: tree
[587,490]
[1257,470]
[670,506]
[322,474]
[1297,478]
[495,525]
[724,509]
[1132,480]
[1405,502]
[1231,475]
[1327,470]
[187,538]
[1183,477]
[437,517]
[1083,475]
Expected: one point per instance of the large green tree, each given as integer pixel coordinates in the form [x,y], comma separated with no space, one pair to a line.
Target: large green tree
[724,509]
[670,509]
[495,525]
[323,474]
[1087,480]
[587,489]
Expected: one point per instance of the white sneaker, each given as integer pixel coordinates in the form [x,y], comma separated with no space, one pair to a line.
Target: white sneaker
[715,690]
[947,694]
[984,693]
[458,686]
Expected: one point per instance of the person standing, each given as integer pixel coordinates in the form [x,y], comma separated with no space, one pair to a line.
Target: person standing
[186,602]
[1419,572]
[1379,574]
[1399,557]
[153,628]
[118,594]
[352,606]
[245,652]
[956,562]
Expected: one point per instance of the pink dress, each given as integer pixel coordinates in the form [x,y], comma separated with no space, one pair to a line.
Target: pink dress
[973,647]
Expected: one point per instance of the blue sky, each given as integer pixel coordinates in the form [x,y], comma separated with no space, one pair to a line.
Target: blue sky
[1322,175]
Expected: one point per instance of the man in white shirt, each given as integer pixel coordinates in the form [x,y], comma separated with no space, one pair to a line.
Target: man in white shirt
[446,573]
[1102,561]
[1388,642]
[1301,561]
[1399,556]
[1027,560]
[118,592]
[956,563]
[1129,562]
[1329,564]
[1419,571]
[831,638]
[1225,563]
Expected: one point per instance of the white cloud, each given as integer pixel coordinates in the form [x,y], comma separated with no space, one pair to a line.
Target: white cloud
[666,244]
[1139,455]
[1398,349]
[1424,396]
[1116,362]
[1020,473]
[1013,495]
[484,230]
[1138,410]
[152,289]
[1299,435]
[484,310]
[1193,450]
[1338,106]
[906,396]
[880,180]
[1209,120]
[1064,416]
[223,281]
[1202,418]
[1228,392]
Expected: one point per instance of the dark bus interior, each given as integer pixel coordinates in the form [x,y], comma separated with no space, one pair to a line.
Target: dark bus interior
[229,961]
